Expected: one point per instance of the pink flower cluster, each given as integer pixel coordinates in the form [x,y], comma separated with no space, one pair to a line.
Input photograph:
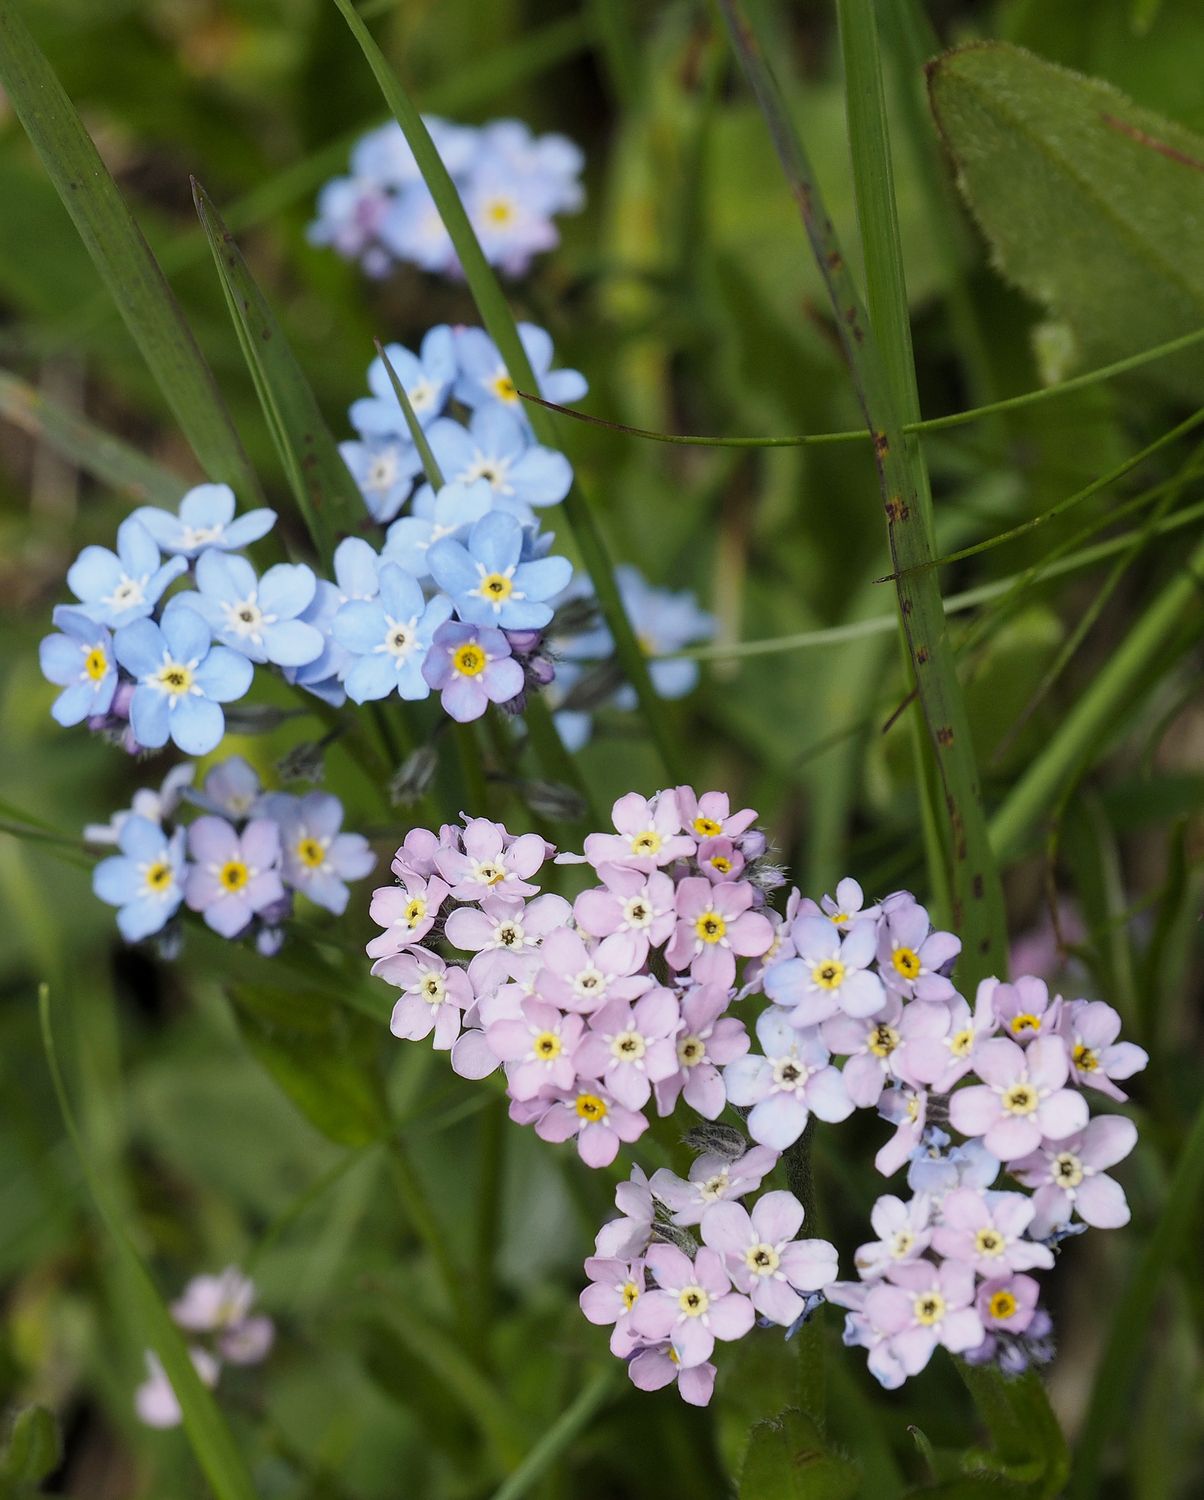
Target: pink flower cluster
[599,1010]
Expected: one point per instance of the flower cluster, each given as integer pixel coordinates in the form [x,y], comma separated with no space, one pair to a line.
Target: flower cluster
[238,864]
[512,185]
[216,1310]
[624,1000]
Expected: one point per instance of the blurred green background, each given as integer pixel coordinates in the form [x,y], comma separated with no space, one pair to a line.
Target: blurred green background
[686,293]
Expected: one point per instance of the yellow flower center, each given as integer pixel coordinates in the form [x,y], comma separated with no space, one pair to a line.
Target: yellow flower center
[828,975]
[962,1041]
[495,587]
[648,842]
[762,1260]
[628,1046]
[690,1051]
[1025,1022]
[710,927]
[96,663]
[929,1308]
[233,875]
[311,853]
[907,962]
[1085,1058]
[434,988]
[989,1242]
[159,876]
[721,863]
[902,1243]
[837,917]
[631,1294]
[1002,1305]
[693,1301]
[469,660]
[500,211]
[1067,1169]
[590,1107]
[707,828]
[547,1047]
[175,678]
[504,388]
[490,874]
[415,912]
[883,1040]
[1020,1099]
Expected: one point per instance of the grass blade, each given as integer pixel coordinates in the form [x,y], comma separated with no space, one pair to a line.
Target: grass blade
[120,254]
[89,447]
[204,1425]
[499,322]
[320,480]
[978,900]
[571,1421]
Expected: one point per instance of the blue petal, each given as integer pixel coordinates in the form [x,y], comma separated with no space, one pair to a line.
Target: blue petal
[224,675]
[139,648]
[497,541]
[163,527]
[136,548]
[407,543]
[375,418]
[82,699]
[541,476]
[542,579]
[499,433]
[226,579]
[197,725]
[148,915]
[249,528]
[370,678]
[452,568]
[61,659]
[356,566]
[292,644]
[360,626]
[673,679]
[563,386]
[187,634]
[209,609]
[207,505]
[399,593]
[94,573]
[142,839]
[148,717]
[116,880]
[172,569]
[286,589]
[454,450]
[524,614]
[76,624]
[411,684]
[538,345]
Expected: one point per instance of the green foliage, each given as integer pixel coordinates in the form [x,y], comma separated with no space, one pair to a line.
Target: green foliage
[32,1453]
[1091,204]
[787,1459]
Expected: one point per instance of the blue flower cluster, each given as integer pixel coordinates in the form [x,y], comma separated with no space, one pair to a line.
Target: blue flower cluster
[512,184]
[239,864]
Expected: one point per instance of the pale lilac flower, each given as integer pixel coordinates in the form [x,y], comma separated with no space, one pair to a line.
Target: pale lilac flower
[714,926]
[987,1232]
[631,904]
[205,519]
[910,954]
[692,1304]
[597,1121]
[1024,1009]
[792,1081]
[713,1179]
[231,789]
[471,666]
[631,1047]
[491,862]
[1007,1303]
[1070,1176]
[540,1049]
[658,1365]
[617,1287]
[222,1305]
[420,850]
[80,660]
[763,1257]
[1097,1059]
[233,878]
[904,1043]
[147,803]
[936,1172]
[904,1233]
[627,1237]
[1021,1099]
[115,588]
[780,949]
[155,1400]
[709,816]
[907,1109]
[406,912]
[434,995]
[719,859]
[649,834]
[582,977]
[845,908]
[707,1041]
[830,973]
[504,936]
[966,1030]
[146,880]
[318,857]
[920,1306]
[860,1331]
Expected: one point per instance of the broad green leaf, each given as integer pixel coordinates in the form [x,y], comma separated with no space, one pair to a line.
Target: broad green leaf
[204,1425]
[1091,204]
[95,451]
[1027,1442]
[320,480]
[120,253]
[320,1054]
[33,1451]
[788,1460]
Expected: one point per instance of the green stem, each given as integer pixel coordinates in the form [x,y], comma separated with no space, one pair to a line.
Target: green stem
[812,1381]
[978,898]
[491,1166]
[417,1208]
[430,464]
[572,1421]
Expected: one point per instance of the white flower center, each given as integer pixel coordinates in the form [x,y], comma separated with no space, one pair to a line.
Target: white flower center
[199,536]
[693,1301]
[789,1075]
[628,1046]
[1067,1170]
[400,638]
[762,1259]
[129,592]
[714,1188]
[432,987]
[691,1050]
[244,618]
[637,912]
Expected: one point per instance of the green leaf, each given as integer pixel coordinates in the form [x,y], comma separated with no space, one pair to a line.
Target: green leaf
[321,1056]
[787,1460]
[204,1425]
[320,480]
[1028,1444]
[120,254]
[33,1451]
[1091,204]
[89,447]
